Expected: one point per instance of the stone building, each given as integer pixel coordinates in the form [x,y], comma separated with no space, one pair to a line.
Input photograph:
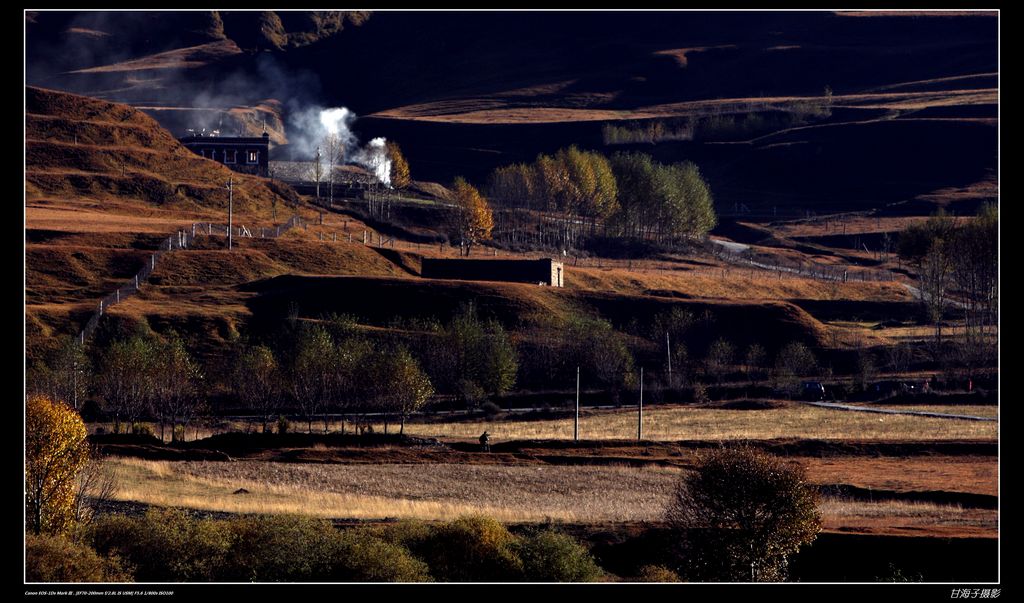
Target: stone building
[246,154]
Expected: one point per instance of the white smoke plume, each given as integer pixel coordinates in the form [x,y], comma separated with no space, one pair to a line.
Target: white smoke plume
[310,127]
[374,157]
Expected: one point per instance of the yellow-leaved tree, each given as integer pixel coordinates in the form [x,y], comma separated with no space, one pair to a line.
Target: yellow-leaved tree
[472,220]
[55,453]
[400,177]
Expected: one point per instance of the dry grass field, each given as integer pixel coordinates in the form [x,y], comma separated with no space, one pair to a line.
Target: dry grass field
[990,412]
[509,493]
[907,518]
[682,423]
[399,491]
[496,110]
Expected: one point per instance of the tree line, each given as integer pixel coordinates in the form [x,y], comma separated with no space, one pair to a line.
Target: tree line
[583,193]
[957,264]
[313,368]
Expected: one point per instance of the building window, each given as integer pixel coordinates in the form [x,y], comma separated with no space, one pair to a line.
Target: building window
[230,156]
[254,156]
[213,154]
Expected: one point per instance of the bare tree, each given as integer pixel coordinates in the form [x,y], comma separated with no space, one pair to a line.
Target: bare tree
[335,156]
[96,487]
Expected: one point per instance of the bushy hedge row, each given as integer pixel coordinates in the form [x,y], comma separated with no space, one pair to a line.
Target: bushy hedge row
[171,546]
[60,559]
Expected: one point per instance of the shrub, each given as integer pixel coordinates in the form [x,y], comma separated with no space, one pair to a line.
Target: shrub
[549,556]
[282,425]
[361,556]
[700,394]
[280,548]
[471,549]
[740,514]
[166,545]
[58,559]
[656,573]
[409,533]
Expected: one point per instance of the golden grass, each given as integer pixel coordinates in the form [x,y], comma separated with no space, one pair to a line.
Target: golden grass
[991,412]
[848,225]
[498,111]
[433,491]
[444,491]
[907,517]
[730,283]
[972,474]
[681,423]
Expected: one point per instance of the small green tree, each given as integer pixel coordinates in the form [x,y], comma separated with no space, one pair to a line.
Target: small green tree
[402,386]
[720,356]
[753,360]
[740,515]
[477,357]
[793,361]
[257,382]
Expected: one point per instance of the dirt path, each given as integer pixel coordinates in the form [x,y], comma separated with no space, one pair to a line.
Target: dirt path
[892,411]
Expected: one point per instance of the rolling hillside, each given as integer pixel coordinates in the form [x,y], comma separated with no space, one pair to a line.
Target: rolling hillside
[900,107]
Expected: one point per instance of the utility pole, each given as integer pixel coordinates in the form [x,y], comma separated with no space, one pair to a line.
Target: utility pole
[231,201]
[668,356]
[576,423]
[640,415]
[319,172]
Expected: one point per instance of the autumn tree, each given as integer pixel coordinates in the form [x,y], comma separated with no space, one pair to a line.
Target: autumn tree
[55,453]
[471,218]
[400,177]
[740,515]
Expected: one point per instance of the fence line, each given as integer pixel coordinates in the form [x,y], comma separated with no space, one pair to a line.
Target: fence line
[182,239]
[825,272]
[743,260]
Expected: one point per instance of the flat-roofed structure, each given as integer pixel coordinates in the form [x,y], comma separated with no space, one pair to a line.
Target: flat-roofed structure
[545,271]
[246,154]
